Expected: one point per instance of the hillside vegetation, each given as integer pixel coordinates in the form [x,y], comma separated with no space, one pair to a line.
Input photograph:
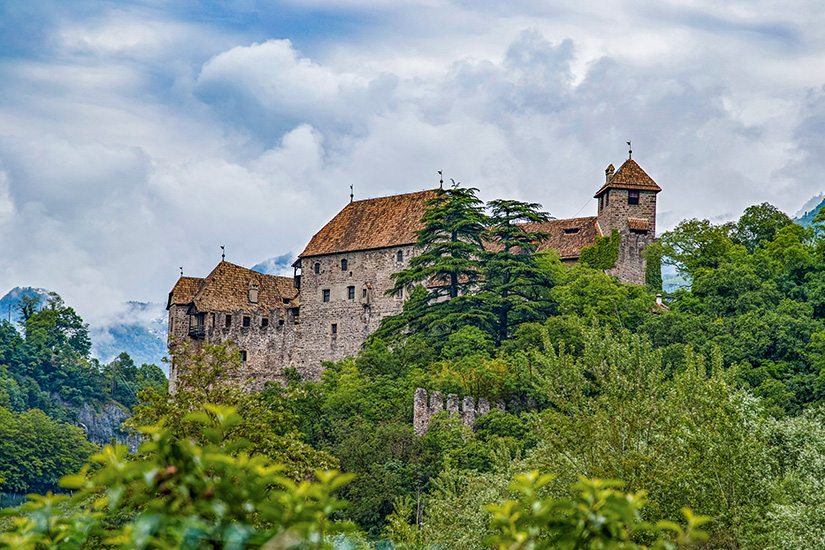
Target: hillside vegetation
[707,410]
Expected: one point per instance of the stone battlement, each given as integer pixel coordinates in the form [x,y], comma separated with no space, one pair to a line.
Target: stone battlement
[424,410]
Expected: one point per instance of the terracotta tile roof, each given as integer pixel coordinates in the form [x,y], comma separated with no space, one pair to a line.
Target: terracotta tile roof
[227,289]
[567,237]
[638,224]
[183,291]
[630,176]
[372,223]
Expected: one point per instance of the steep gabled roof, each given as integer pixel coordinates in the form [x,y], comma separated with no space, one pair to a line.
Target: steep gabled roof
[227,289]
[567,237]
[183,291]
[630,176]
[372,223]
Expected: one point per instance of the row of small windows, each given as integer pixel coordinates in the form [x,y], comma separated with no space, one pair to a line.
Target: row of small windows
[247,321]
[399,257]
[325,293]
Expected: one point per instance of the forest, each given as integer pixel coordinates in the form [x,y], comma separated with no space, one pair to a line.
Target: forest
[696,423]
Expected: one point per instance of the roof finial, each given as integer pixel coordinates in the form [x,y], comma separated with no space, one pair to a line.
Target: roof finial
[351,194]
[629,151]
[223,252]
[181,271]
[440,180]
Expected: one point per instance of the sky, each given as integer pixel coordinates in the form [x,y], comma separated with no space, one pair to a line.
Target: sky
[138,137]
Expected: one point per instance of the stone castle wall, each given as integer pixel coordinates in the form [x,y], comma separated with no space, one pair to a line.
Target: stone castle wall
[269,349]
[333,330]
[424,410]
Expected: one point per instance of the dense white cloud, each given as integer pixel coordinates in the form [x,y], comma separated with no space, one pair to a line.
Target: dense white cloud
[139,139]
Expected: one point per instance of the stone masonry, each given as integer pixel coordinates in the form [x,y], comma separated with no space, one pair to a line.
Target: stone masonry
[340,308]
[424,410]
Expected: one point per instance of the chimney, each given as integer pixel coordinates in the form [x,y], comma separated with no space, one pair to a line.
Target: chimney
[608,174]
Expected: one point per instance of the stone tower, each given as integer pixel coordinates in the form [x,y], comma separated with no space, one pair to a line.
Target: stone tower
[627,203]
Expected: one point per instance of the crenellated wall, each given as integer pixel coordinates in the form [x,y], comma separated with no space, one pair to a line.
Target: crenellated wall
[425,409]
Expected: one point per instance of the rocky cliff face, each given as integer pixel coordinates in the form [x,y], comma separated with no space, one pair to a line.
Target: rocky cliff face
[104,425]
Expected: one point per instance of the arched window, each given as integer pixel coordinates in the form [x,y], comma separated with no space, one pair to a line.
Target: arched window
[344,264]
[400,256]
[317,268]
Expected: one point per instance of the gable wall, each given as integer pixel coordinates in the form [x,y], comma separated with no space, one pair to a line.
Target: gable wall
[356,318]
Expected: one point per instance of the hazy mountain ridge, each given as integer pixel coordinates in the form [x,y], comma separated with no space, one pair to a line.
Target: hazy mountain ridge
[138,328]
[806,214]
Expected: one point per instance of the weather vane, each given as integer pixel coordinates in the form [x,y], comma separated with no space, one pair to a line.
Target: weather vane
[629,151]
[440,180]
[181,271]
[351,194]
[223,252]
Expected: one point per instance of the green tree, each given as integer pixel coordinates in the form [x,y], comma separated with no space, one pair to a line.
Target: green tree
[36,451]
[758,225]
[513,285]
[183,495]
[208,376]
[450,244]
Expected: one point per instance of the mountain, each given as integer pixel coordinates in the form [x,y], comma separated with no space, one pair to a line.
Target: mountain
[9,301]
[806,214]
[139,329]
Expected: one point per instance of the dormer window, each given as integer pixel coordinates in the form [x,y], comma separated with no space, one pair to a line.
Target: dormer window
[571,230]
[344,264]
[632,197]
[253,293]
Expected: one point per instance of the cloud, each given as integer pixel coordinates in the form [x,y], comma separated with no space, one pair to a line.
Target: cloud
[137,138]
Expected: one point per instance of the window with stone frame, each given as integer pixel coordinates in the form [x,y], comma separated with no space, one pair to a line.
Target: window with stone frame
[317,268]
[228,321]
[399,257]
[247,321]
[350,293]
[632,197]
[334,329]
[325,295]
[344,264]
[243,356]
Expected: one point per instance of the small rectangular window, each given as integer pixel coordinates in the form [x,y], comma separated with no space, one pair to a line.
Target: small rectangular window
[281,322]
[334,329]
[228,322]
[317,268]
[363,293]
[326,295]
[400,256]
[265,322]
[243,356]
[351,293]
[344,264]
[246,321]
[632,197]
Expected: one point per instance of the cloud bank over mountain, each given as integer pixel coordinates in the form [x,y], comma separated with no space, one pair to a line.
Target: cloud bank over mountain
[137,138]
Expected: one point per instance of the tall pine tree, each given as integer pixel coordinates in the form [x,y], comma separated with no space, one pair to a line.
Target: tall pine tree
[513,286]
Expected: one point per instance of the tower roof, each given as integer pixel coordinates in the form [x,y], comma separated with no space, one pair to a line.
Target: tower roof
[372,223]
[630,176]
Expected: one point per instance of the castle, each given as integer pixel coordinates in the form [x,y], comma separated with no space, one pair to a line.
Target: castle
[336,297]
